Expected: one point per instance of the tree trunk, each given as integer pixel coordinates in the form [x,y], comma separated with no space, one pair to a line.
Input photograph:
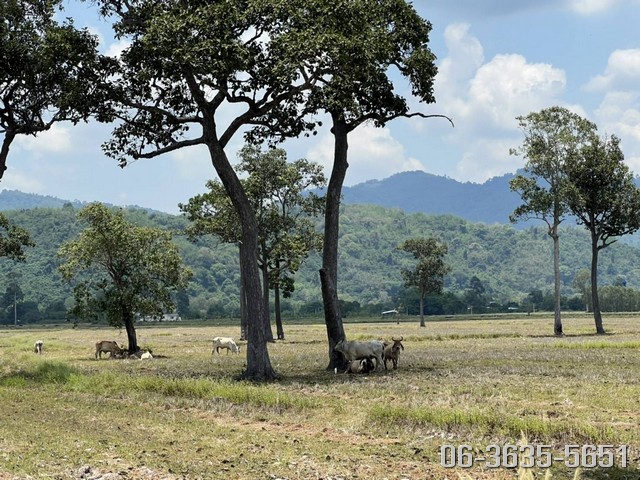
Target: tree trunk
[335,329]
[243,310]
[422,324]
[557,320]
[258,363]
[264,267]
[595,300]
[132,338]
[276,307]
[9,136]
[329,270]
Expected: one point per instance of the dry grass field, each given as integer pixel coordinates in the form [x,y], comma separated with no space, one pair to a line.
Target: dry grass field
[182,414]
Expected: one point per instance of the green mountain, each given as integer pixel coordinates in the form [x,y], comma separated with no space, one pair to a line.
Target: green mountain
[510,263]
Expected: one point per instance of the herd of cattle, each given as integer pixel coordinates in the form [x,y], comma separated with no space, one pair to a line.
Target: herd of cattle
[359,355]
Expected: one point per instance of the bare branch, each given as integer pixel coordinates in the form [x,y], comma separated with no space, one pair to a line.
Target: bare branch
[171,148]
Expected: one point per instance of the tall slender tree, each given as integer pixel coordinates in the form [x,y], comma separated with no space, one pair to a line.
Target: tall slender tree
[552,136]
[605,200]
[428,274]
[358,47]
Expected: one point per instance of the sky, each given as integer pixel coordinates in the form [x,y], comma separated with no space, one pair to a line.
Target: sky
[497,60]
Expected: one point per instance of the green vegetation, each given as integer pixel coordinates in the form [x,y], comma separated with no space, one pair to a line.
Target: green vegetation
[370,267]
[183,414]
[121,270]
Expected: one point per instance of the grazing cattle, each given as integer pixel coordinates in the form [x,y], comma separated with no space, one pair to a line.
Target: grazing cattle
[354,350]
[107,346]
[37,347]
[392,352]
[225,342]
[360,366]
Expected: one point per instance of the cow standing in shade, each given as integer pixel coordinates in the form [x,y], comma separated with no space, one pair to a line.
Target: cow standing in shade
[354,350]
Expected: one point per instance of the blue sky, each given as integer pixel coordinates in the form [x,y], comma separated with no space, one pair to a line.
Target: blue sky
[497,59]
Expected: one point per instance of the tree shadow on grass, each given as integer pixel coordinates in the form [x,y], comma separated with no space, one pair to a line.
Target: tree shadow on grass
[43,373]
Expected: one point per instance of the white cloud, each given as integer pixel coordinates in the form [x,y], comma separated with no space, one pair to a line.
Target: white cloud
[589,7]
[116,48]
[55,140]
[373,153]
[15,179]
[619,114]
[484,98]
[487,158]
[622,71]
[465,56]
[509,86]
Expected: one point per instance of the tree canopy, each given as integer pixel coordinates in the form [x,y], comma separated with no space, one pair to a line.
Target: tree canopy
[134,269]
[50,71]
[605,200]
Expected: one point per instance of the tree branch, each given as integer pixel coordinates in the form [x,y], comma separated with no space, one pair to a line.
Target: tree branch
[171,148]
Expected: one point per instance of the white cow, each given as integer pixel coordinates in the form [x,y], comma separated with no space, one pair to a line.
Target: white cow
[225,342]
[354,350]
[37,347]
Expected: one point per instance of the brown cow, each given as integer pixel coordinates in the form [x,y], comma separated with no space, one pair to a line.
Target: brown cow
[392,352]
[107,346]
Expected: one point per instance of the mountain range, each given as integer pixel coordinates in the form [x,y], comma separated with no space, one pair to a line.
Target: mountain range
[490,202]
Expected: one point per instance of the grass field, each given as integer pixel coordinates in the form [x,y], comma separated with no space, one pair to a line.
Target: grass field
[182,414]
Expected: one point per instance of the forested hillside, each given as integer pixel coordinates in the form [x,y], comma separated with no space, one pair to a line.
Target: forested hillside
[509,263]
[489,202]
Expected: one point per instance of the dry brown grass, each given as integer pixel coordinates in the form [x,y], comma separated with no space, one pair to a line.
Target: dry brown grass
[183,414]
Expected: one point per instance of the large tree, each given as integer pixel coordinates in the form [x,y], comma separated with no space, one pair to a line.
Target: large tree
[279,192]
[197,73]
[48,71]
[358,47]
[121,270]
[605,200]
[428,273]
[551,137]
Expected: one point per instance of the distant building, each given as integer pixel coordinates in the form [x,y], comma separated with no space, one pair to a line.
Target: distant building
[167,317]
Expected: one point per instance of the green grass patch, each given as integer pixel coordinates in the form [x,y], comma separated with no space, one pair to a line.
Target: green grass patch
[239,393]
[43,373]
[487,423]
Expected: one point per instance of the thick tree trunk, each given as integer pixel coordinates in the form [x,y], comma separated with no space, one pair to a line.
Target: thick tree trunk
[9,136]
[258,363]
[333,321]
[329,270]
[557,320]
[243,310]
[132,338]
[595,300]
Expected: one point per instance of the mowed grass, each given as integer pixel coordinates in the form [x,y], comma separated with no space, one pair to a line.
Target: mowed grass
[183,414]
